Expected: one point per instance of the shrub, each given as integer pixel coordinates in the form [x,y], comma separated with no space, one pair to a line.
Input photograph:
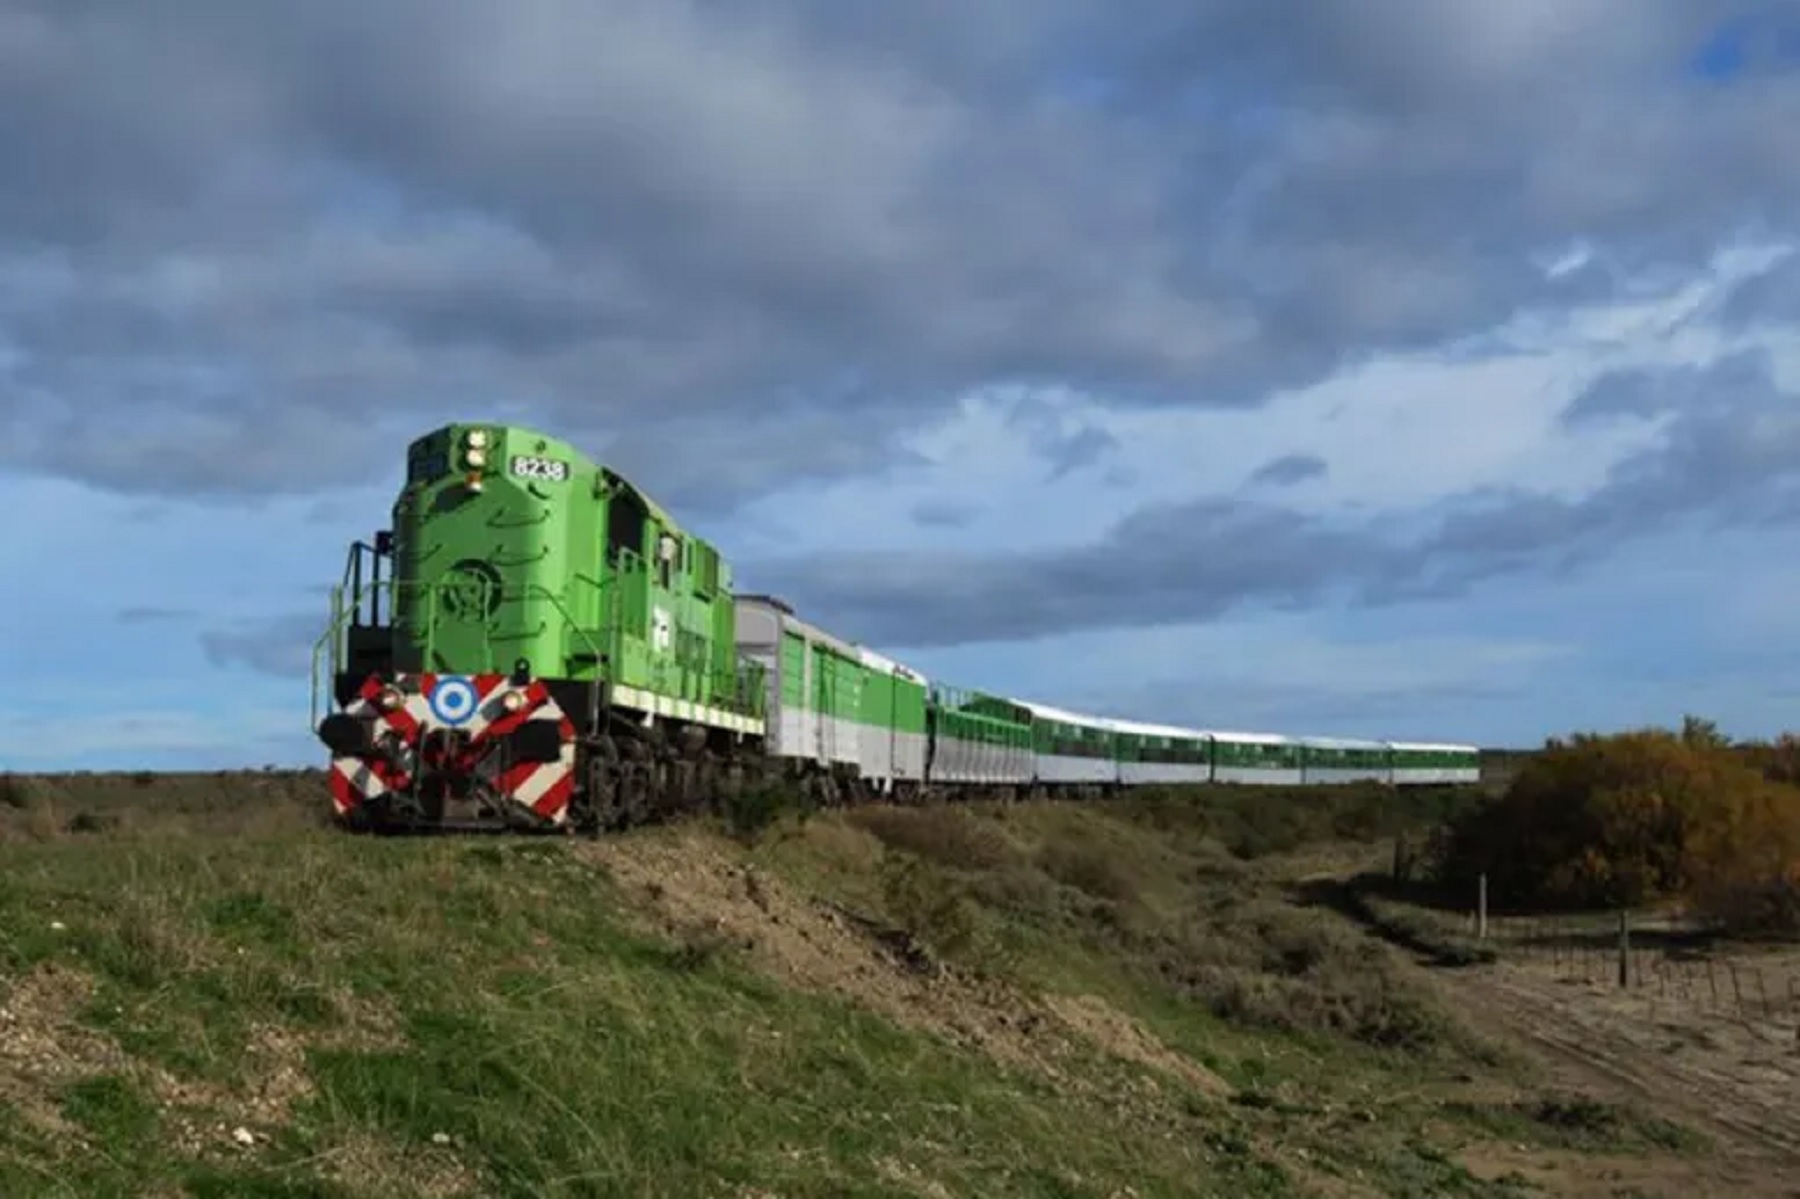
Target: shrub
[1779,761]
[1313,974]
[1257,822]
[751,811]
[1636,817]
[1091,868]
[930,908]
[948,836]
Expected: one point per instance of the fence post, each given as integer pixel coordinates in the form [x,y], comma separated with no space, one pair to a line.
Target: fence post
[1481,923]
[1625,947]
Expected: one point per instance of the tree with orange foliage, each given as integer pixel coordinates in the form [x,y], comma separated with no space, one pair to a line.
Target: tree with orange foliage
[1638,817]
[1743,861]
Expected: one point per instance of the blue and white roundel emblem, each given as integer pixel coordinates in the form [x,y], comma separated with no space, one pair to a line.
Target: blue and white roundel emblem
[453,700]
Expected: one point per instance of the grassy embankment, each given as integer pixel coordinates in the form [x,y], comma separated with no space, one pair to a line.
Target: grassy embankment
[204,993]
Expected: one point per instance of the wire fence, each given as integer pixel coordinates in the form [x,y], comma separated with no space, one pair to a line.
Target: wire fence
[1656,957]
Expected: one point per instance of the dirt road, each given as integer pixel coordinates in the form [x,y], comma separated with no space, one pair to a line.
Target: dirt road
[1669,1048]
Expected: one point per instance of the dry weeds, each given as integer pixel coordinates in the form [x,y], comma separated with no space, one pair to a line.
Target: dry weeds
[691,880]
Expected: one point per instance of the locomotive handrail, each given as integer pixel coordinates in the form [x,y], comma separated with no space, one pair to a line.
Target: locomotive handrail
[332,637]
[562,610]
[329,639]
[329,644]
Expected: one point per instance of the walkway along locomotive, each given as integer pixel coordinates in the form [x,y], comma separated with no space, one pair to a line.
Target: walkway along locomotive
[536,644]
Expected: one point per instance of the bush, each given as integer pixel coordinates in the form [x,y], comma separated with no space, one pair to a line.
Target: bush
[1779,761]
[929,907]
[1637,817]
[1090,868]
[948,836]
[750,812]
[1302,971]
[1257,822]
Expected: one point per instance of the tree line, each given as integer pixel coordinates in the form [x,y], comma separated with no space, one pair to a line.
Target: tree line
[1639,818]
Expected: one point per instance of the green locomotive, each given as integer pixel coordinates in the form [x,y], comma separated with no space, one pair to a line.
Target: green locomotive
[535,641]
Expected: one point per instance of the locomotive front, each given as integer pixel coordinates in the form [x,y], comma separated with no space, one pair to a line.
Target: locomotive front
[451,636]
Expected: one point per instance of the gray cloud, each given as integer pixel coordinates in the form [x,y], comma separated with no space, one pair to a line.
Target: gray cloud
[1184,562]
[1770,299]
[1288,470]
[941,514]
[280,646]
[1065,445]
[248,247]
[1734,383]
[153,615]
[1730,456]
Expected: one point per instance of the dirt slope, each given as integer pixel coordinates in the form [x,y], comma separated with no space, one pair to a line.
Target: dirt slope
[688,879]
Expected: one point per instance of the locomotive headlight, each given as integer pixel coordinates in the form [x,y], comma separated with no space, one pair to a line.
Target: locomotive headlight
[389,699]
[512,701]
[476,438]
[475,457]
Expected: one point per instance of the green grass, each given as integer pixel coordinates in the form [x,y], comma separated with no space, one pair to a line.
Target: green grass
[505,1017]
[1581,1123]
[560,1054]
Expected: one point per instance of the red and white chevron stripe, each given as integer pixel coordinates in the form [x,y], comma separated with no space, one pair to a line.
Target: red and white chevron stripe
[543,787]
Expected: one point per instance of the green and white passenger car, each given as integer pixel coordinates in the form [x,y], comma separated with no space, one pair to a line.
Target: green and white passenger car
[1424,763]
[1329,760]
[1266,759]
[831,702]
[1161,753]
[1071,748]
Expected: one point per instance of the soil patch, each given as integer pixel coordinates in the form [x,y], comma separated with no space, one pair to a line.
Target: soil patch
[1733,1078]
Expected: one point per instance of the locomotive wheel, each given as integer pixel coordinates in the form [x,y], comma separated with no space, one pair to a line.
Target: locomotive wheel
[598,801]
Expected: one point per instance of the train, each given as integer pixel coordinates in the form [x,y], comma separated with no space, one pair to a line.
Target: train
[534,644]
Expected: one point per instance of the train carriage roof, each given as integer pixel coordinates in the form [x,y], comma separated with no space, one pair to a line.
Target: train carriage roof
[1248,738]
[1143,729]
[1341,743]
[1436,747]
[883,664]
[789,621]
[1046,712]
[1147,729]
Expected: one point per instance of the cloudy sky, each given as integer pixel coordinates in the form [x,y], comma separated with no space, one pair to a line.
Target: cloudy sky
[1414,368]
